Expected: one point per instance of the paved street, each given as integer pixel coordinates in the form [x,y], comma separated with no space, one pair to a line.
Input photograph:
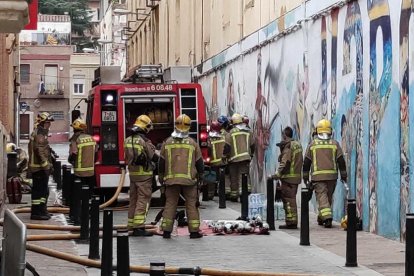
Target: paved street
[277,252]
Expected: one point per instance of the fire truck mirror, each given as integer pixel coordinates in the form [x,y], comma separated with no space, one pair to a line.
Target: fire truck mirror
[75,115]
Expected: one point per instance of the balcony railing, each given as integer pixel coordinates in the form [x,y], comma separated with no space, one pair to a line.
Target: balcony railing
[51,91]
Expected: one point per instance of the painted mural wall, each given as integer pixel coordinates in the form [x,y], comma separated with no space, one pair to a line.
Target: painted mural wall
[350,63]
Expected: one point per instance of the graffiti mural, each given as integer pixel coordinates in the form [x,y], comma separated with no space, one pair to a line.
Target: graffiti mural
[281,77]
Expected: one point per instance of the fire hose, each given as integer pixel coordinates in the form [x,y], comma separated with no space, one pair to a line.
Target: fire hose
[146,269]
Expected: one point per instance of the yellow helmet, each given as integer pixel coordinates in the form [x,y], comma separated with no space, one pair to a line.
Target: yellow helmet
[44,117]
[324,126]
[344,222]
[10,147]
[183,123]
[236,119]
[79,124]
[144,122]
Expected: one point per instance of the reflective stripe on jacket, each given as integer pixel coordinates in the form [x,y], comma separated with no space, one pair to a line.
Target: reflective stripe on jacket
[85,157]
[294,174]
[216,146]
[324,155]
[134,146]
[240,142]
[180,157]
[39,151]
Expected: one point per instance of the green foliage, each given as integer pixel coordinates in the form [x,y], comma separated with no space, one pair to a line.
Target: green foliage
[79,13]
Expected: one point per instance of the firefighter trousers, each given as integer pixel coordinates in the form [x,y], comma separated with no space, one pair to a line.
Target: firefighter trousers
[236,170]
[172,194]
[289,192]
[324,191]
[140,193]
[40,192]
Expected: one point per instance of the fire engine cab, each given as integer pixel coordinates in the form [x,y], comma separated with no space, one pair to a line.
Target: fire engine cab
[113,107]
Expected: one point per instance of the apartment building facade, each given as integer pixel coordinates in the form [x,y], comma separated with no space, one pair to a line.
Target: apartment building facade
[45,74]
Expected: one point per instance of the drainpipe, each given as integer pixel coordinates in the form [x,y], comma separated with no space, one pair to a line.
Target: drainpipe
[16,93]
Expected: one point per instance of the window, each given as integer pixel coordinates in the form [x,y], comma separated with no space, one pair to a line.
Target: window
[51,79]
[25,73]
[78,84]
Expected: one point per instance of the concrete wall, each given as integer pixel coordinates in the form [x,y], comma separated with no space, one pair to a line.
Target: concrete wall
[349,64]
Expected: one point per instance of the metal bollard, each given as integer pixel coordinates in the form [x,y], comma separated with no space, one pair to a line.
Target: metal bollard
[244,198]
[351,235]
[409,245]
[11,164]
[106,265]
[304,217]
[94,231]
[157,269]
[270,212]
[204,190]
[76,201]
[84,230]
[58,174]
[66,182]
[222,189]
[122,249]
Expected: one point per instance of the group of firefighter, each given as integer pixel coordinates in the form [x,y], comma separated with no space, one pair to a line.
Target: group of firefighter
[231,144]
[180,167]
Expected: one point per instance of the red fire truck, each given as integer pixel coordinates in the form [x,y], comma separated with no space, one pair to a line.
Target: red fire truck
[113,107]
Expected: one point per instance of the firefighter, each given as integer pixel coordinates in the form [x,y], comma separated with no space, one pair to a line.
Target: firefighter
[238,150]
[181,167]
[224,123]
[39,166]
[323,157]
[139,156]
[216,142]
[22,161]
[289,173]
[82,149]
[246,121]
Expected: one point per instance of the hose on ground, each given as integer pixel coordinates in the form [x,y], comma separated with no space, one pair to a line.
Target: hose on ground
[117,192]
[146,269]
[72,227]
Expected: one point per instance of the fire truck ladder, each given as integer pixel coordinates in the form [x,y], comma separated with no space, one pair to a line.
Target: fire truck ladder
[188,105]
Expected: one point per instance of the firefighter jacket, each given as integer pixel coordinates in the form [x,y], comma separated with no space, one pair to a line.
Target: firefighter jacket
[216,147]
[39,151]
[290,161]
[139,153]
[82,150]
[180,162]
[323,158]
[239,145]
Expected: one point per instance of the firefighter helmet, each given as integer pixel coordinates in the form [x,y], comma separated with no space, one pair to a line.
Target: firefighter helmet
[246,120]
[44,117]
[215,126]
[183,123]
[236,119]
[223,121]
[324,126]
[144,122]
[10,147]
[79,124]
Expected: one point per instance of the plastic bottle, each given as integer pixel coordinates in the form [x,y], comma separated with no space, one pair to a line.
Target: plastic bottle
[174,232]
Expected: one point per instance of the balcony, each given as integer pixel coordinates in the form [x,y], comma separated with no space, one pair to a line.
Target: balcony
[51,91]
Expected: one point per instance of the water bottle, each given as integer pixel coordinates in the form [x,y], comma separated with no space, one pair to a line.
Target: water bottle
[174,232]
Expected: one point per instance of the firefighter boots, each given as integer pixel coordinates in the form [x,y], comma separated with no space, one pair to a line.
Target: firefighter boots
[195,235]
[140,232]
[328,223]
[166,234]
